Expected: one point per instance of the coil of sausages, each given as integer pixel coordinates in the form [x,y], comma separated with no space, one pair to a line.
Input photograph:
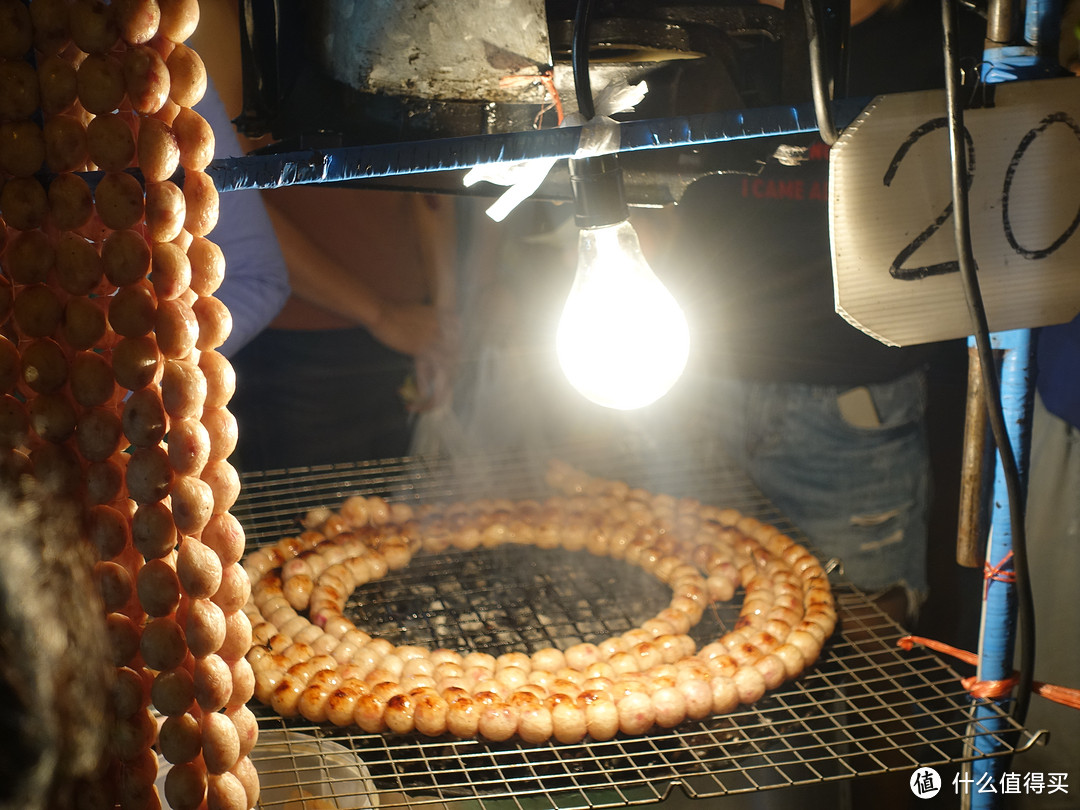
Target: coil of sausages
[109,338]
[310,660]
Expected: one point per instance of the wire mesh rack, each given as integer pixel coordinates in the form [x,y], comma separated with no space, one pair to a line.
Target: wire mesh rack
[866,707]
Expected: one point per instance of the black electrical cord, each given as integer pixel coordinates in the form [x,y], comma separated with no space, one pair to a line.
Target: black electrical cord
[579,60]
[841,74]
[991,384]
[596,181]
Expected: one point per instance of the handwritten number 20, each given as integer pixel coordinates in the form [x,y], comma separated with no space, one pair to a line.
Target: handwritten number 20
[901,273]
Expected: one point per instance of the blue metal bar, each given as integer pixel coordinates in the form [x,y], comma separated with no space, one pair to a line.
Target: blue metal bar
[448,154]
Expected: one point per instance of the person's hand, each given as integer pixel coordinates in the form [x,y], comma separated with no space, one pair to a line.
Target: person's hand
[411,329]
[430,336]
[431,384]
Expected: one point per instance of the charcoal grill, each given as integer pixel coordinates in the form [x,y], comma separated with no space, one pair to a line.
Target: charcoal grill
[866,707]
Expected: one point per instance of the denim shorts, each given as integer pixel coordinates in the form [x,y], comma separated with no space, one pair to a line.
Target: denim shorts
[849,468]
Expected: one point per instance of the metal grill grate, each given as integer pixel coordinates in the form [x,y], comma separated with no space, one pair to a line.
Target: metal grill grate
[865,707]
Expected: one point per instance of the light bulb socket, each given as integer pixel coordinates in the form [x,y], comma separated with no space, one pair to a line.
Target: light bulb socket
[597,186]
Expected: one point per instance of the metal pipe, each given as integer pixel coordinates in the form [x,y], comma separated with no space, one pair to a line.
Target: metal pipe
[975,471]
[1002,21]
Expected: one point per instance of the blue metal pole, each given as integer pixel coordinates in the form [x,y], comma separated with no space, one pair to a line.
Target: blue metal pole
[997,632]
[998,621]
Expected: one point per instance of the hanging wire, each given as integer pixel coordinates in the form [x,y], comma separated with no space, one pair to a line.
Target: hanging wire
[842,76]
[579,59]
[991,384]
[820,75]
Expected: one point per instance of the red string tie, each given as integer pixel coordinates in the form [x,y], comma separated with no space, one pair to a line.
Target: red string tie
[998,573]
[993,690]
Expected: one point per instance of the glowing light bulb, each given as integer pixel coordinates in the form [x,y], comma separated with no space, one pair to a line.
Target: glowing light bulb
[623,340]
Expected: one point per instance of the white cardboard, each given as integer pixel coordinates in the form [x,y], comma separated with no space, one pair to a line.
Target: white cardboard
[890,181]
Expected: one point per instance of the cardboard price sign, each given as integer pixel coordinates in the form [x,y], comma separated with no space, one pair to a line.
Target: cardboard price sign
[895,269]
